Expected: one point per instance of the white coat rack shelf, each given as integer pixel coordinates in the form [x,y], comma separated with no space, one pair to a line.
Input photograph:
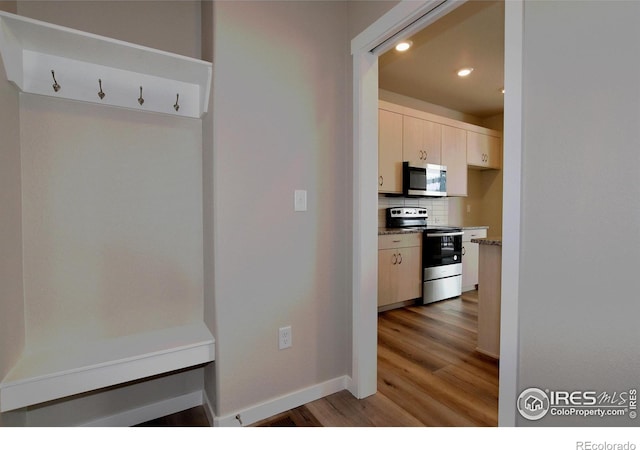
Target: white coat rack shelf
[46,59]
[49,373]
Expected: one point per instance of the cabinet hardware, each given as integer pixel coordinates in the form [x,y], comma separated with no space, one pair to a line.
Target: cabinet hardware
[176,106]
[380,180]
[400,255]
[395,259]
[396,241]
[140,99]
[56,87]
[464,250]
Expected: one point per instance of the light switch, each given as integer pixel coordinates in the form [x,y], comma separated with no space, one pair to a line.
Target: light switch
[299,200]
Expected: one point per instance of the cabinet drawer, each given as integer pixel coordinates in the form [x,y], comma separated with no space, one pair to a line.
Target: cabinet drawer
[399,240]
[474,234]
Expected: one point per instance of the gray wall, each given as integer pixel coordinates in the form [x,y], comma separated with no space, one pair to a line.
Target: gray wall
[580,237]
[280,123]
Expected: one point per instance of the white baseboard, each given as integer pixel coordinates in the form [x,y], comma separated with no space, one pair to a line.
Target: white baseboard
[208,408]
[278,405]
[149,412]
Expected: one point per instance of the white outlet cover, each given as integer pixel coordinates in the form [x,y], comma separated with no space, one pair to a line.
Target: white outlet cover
[284,337]
[299,200]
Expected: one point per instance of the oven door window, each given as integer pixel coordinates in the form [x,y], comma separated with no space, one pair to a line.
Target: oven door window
[441,251]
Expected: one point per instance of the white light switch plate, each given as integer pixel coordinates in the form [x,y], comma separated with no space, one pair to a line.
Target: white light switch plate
[299,200]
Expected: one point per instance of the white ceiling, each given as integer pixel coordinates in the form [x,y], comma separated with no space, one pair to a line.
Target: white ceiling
[470,36]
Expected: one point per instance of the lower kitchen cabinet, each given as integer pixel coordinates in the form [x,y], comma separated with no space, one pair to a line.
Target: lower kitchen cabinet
[470,258]
[399,268]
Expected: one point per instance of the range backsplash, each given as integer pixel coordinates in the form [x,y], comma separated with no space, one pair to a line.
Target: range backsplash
[438,208]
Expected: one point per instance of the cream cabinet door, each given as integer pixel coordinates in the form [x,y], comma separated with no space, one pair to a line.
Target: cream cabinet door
[387,277]
[483,150]
[454,156]
[389,152]
[409,273]
[470,257]
[399,268]
[421,141]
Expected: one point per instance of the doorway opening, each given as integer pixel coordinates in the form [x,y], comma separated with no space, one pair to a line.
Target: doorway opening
[366,205]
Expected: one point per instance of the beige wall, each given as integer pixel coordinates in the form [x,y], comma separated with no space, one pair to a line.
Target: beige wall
[363,13]
[173,26]
[112,221]
[11,7]
[111,209]
[12,335]
[421,105]
[280,123]
[208,207]
[578,302]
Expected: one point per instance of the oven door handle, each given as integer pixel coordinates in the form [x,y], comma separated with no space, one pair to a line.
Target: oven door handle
[460,233]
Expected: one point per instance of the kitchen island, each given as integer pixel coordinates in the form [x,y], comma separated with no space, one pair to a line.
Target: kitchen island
[489,293]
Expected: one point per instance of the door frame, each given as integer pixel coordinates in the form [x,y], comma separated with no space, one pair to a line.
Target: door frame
[401,21]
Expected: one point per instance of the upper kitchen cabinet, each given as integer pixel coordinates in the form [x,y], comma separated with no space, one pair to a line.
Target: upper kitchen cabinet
[407,134]
[483,150]
[46,59]
[389,152]
[421,141]
[454,156]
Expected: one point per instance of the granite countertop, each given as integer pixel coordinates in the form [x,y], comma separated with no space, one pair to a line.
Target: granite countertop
[383,231]
[488,241]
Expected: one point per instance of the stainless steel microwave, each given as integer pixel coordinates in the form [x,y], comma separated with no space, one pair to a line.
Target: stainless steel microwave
[428,180]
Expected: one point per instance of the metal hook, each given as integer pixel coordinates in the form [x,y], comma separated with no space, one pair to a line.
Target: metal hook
[140,100]
[56,86]
[176,106]
[100,94]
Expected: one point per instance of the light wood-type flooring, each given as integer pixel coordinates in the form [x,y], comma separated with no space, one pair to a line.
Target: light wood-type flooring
[429,374]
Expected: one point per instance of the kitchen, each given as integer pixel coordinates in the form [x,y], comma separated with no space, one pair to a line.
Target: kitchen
[428,115]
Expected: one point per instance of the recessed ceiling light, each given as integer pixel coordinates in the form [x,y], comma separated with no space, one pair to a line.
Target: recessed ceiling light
[465,72]
[403,46]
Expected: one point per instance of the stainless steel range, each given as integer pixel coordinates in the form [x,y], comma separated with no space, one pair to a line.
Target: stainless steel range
[441,263]
[441,253]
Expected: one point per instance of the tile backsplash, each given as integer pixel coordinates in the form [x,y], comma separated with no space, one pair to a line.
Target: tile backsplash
[438,208]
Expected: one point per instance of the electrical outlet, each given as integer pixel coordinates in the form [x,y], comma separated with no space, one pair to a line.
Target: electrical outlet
[284,337]
[299,200]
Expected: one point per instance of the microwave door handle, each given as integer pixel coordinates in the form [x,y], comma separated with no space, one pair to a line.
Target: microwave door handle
[444,234]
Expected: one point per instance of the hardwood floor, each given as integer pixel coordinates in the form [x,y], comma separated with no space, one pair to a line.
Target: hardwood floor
[429,374]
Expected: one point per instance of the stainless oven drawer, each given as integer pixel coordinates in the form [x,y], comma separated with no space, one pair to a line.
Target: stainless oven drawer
[441,289]
[449,270]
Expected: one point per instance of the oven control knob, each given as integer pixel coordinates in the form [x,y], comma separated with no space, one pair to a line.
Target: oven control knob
[455,257]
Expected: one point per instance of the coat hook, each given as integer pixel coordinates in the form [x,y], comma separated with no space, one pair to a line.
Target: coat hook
[176,106]
[100,94]
[56,86]
[140,100]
